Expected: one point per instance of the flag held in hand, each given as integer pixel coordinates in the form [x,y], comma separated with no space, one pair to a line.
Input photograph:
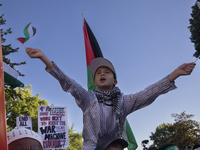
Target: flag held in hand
[29,31]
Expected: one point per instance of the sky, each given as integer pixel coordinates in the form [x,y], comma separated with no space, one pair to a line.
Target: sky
[145,41]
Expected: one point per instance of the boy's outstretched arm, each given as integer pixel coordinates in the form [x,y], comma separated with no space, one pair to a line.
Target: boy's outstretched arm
[37,53]
[184,69]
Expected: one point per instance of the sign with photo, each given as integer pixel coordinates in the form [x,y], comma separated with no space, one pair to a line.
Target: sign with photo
[53,127]
[24,121]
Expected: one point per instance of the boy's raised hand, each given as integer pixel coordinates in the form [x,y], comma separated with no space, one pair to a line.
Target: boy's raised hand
[182,70]
[37,53]
[34,53]
[186,68]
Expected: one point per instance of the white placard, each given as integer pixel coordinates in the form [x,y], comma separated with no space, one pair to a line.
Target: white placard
[24,121]
[53,127]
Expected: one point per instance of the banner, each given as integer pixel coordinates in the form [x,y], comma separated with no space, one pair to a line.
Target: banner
[53,127]
[10,77]
[24,121]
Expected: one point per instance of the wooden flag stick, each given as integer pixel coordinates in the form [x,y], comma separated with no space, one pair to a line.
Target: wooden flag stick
[196,59]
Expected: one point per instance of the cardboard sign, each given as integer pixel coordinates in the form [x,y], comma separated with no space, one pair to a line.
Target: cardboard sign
[53,127]
[24,121]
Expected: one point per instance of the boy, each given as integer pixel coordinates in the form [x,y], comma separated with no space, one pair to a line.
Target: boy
[105,109]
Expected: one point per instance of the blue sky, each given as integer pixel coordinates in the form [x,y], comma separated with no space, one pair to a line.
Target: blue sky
[145,40]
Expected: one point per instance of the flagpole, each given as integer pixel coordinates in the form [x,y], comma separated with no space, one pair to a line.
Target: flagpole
[3,133]
[83,13]
[196,59]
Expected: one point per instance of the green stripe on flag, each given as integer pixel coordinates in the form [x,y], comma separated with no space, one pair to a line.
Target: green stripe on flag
[26,32]
[129,137]
[29,31]
[91,86]
[10,77]
[10,80]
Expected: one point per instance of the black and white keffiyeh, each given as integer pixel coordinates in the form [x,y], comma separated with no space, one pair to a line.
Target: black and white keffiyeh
[111,98]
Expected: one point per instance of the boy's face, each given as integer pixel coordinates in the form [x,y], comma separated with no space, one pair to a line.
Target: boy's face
[104,79]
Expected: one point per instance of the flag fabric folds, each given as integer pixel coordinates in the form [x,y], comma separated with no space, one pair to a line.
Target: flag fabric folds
[129,136]
[29,31]
[92,50]
[10,77]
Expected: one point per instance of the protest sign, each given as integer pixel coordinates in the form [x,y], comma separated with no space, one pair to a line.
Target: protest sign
[52,127]
[24,121]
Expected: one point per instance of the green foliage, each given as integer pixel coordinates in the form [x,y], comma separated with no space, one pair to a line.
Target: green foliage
[7,49]
[75,139]
[195,28]
[162,134]
[182,133]
[20,102]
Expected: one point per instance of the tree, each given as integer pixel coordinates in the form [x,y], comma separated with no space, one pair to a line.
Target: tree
[7,49]
[75,139]
[20,102]
[195,28]
[162,134]
[182,133]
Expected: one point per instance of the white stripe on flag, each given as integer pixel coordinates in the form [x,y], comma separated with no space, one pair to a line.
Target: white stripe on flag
[10,77]
[30,31]
[10,70]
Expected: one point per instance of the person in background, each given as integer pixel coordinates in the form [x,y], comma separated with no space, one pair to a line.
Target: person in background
[24,139]
[169,146]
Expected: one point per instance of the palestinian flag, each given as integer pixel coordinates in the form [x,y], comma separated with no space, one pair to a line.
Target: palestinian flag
[10,77]
[129,136]
[29,31]
[93,51]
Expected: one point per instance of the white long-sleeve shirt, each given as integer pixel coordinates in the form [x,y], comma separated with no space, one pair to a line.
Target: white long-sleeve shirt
[99,119]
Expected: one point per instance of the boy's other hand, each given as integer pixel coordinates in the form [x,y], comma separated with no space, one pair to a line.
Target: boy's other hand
[182,70]
[186,68]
